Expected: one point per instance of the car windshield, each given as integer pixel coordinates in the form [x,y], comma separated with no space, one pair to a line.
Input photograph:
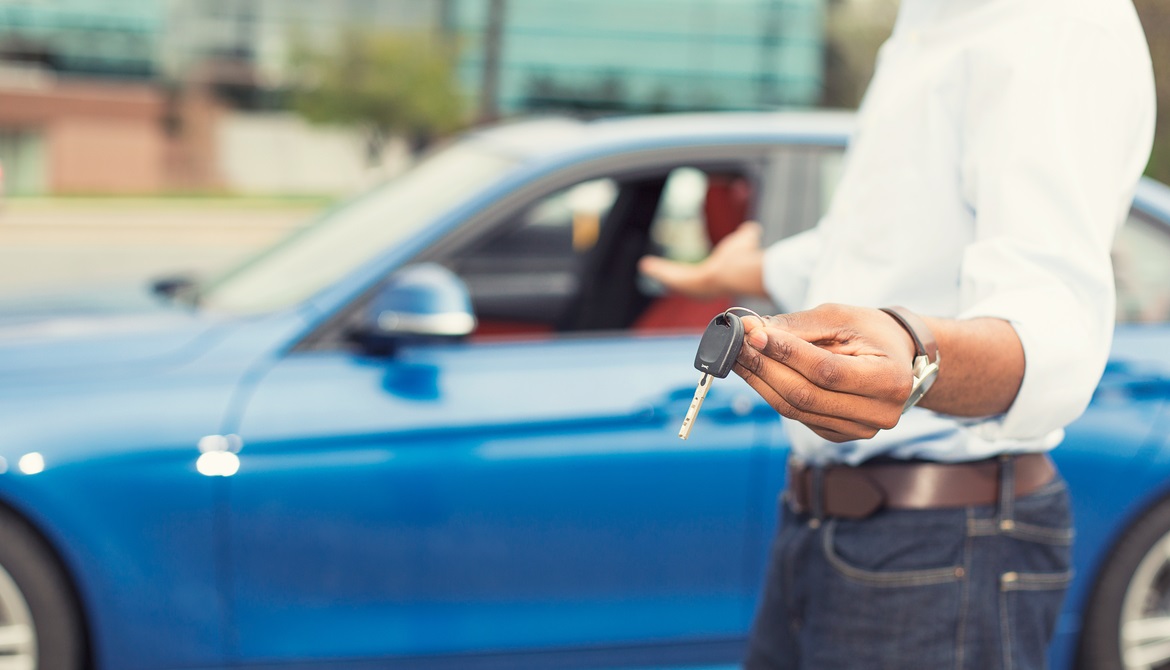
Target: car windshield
[349,235]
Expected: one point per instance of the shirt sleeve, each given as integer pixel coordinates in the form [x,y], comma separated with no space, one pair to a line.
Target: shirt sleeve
[1057,131]
[788,264]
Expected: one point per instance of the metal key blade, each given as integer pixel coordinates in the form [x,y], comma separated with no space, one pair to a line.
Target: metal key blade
[696,403]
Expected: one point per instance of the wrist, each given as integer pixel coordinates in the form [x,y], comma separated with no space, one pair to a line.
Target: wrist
[907,336]
[925,355]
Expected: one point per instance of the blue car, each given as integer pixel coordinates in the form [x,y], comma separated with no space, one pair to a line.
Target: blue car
[438,428]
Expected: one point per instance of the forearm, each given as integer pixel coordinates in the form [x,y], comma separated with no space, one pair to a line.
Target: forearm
[846,372]
[981,367]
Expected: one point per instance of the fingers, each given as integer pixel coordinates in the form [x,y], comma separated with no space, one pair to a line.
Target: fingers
[870,376]
[833,428]
[841,370]
[734,266]
[827,325]
[797,398]
[682,278]
[840,397]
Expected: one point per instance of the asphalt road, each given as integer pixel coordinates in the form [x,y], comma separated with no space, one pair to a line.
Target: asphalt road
[58,244]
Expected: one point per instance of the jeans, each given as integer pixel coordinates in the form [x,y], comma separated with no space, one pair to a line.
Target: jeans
[972,588]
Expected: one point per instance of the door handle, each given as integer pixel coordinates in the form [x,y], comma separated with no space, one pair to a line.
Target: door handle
[1132,380]
[722,404]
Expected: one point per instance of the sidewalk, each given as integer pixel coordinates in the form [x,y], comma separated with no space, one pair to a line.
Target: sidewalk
[49,244]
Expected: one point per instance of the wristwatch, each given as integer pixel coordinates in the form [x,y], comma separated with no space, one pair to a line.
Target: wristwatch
[926,355]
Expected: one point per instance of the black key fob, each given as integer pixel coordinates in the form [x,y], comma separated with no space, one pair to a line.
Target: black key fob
[720,345]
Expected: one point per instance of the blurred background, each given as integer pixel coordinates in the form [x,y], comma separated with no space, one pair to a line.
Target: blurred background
[145,137]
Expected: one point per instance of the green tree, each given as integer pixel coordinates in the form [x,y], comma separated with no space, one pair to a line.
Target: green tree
[853,33]
[1155,16]
[387,83]
[856,29]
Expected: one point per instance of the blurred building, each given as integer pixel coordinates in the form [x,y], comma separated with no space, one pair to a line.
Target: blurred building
[642,55]
[157,95]
[110,38]
[243,47]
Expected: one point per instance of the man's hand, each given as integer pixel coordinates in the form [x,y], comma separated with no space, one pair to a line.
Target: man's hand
[845,372]
[735,266]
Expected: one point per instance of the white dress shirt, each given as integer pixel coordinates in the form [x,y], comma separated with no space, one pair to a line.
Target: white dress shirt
[996,154]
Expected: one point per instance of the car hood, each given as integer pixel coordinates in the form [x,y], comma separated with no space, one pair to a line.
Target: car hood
[44,348]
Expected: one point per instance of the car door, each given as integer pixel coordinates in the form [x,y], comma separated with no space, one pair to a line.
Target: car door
[512,499]
[1112,456]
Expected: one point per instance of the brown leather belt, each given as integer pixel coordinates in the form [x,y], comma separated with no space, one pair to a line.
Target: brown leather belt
[856,492]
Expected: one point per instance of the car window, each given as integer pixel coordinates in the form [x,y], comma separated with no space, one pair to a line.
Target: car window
[576,212]
[1141,268]
[568,262]
[678,230]
[801,181]
[523,275]
[345,237]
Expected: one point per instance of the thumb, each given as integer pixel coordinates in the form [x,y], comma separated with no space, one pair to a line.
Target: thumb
[821,325]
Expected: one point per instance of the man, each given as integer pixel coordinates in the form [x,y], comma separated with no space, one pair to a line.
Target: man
[997,151]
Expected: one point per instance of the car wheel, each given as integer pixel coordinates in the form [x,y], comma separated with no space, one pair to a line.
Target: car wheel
[39,622]
[1127,623]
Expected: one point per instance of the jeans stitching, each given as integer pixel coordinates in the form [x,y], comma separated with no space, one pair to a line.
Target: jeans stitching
[965,598]
[1005,630]
[1022,531]
[1039,581]
[926,577]
[1027,531]
[977,527]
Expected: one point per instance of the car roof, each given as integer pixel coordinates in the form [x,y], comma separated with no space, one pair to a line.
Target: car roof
[1153,197]
[552,136]
[562,137]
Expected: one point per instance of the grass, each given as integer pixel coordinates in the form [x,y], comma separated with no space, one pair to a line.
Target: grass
[167,201]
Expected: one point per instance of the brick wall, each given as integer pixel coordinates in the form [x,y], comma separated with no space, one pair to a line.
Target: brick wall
[109,137]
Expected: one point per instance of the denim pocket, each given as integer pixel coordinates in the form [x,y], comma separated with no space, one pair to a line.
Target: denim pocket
[1029,604]
[1043,516]
[898,548]
[1036,561]
[892,590]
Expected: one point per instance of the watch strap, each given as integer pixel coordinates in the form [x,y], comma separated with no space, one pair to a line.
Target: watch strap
[924,342]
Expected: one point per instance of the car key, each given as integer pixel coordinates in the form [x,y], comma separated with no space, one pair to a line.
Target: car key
[716,356]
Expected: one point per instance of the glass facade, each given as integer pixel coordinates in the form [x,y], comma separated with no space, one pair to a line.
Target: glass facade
[645,55]
[117,38]
[583,55]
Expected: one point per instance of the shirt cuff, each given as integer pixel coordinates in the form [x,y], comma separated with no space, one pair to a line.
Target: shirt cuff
[787,267]
[1064,357]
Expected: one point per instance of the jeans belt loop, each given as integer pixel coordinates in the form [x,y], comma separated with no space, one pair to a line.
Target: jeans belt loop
[816,494]
[1007,491]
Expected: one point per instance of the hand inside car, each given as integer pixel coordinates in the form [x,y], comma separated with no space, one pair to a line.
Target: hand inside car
[845,372]
[735,266]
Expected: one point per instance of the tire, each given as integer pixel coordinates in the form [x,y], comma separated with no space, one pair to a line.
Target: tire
[40,621]
[1133,589]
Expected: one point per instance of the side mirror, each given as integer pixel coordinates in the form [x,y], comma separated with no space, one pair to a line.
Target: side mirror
[173,287]
[419,302]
